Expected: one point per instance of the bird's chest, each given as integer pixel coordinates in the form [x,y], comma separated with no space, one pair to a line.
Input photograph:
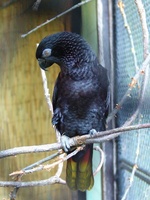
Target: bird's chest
[76,90]
[76,97]
[77,106]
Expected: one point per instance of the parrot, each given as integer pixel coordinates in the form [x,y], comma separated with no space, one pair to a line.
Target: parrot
[80,99]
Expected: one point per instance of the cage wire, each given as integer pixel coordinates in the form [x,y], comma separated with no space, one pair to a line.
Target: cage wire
[133,148]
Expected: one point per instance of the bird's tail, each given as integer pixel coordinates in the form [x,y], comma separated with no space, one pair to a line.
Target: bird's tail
[79,174]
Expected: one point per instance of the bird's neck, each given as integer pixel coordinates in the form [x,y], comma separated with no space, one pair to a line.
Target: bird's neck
[77,72]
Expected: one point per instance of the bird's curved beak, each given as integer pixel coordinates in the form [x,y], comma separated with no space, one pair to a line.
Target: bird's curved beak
[45,63]
[42,63]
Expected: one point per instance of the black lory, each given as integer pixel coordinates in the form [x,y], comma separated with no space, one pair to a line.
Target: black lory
[80,98]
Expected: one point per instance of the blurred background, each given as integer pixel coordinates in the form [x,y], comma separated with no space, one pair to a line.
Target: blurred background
[24,115]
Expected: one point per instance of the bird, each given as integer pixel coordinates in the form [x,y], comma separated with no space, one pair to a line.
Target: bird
[80,99]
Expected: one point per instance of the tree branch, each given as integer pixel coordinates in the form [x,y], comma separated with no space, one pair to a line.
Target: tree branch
[85,139]
[19,184]
[60,15]
[98,137]
[36,5]
[52,180]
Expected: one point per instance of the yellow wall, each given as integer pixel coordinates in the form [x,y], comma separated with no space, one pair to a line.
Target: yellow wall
[24,115]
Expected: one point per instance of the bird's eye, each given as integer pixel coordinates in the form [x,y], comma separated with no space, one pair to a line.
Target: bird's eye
[46,53]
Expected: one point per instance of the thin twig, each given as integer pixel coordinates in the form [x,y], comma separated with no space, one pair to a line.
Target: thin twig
[56,17]
[50,106]
[144,65]
[13,193]
[126,24]
[102,156]
[29,168]
[46,91]
[142,14]
[42,161]
[133,170]
[47,167]
[60,166]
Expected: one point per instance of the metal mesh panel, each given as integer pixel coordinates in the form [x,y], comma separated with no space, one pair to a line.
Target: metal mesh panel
[140,189]
[125,70]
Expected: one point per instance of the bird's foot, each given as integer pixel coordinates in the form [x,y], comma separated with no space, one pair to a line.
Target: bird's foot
[92,132]
[65,143]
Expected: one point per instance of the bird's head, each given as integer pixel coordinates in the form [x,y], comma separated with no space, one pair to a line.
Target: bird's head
[45,53]
[64,48]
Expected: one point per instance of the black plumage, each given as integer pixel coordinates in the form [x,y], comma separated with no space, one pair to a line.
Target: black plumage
[80,98]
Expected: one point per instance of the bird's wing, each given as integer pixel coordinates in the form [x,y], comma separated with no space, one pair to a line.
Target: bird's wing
[57,114]
[105,95]
[55,94]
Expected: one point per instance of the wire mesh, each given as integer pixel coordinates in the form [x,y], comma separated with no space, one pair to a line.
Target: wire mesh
[127,144]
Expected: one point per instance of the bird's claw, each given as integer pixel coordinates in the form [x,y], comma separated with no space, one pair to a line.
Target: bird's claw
[92,132]
[65,143]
